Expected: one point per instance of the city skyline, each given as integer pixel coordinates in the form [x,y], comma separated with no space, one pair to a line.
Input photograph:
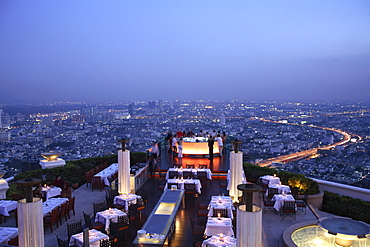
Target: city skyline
[84,51]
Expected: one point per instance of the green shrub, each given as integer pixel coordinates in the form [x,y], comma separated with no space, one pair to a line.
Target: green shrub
[298,182]
[346,206]
[73,172]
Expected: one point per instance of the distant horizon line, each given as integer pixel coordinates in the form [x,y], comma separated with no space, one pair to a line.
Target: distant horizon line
[175,100]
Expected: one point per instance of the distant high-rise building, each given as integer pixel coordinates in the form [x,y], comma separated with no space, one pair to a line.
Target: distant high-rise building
[152,104]
[47,121]
[4,119]
[48,140]
[222,119]
[4,136]
[131,109]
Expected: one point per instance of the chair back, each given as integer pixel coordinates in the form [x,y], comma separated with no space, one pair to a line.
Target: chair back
[189,186]
[63,212]
[192,166]
[74,228]
[172,174]
[289,206]
[202,166]
[221,211]
[71,206]
[272,192]
[61,242]
[187,174]
[98,207]
[106,243]
[54,215]
[87,219]
[201,174]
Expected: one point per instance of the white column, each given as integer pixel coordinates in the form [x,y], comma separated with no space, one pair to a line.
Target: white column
[3,188]
[249,227]
[124,172]
[236,174]
[30,223]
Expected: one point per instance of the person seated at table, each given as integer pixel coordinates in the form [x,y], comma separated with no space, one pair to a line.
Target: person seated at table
[58,182]
[37,192]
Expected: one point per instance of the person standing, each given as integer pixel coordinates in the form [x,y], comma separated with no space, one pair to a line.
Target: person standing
[219,144]
[179,144]
[154,151]
[211,141]
[223,136]
[174,142]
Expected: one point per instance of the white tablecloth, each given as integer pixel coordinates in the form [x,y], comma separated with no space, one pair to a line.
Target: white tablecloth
[279,200]
[107,172]
[194,171]
[216,241]
[52,203]
[126,200]
[181,183]
[281,188]
[268,179]
[7,233]
[94,237]
[51,191]
[6,206]
[107,215]
[221,202]
[215,226]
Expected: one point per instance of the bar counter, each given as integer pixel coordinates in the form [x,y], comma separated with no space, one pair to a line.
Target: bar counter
[160,223]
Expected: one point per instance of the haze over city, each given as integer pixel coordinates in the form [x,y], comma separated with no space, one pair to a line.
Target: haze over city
[191,50]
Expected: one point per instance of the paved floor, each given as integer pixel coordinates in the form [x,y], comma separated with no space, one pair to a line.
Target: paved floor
[273,225]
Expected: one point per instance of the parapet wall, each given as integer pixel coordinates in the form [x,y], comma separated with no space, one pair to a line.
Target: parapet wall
[344,190]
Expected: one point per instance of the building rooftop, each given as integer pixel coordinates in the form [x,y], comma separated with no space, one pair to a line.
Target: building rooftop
[273,225]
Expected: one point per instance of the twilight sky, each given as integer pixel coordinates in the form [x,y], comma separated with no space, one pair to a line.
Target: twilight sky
[149,50]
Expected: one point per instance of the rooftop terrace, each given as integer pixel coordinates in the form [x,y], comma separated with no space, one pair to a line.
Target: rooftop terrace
[273,225]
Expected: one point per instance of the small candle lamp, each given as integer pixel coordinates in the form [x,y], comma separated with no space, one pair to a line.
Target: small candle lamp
[274,175]
[219,216]
[45,185]
[221,237]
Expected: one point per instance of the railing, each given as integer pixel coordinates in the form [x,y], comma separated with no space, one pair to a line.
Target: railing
[344,190]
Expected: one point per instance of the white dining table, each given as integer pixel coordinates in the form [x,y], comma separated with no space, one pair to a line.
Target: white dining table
[51,191]
[219,241]
[7,233]
[216,225]
[6,206]
[281,188]
[279,200]
[269,180]
[126,200]
[221,202]
[107,215]
[181,183]
[107,173]
[94,238]
[194,171]
[51,204]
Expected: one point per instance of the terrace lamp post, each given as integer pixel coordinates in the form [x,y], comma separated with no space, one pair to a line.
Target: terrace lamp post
[30,216]
[249,218]
[124,168]
[236,171]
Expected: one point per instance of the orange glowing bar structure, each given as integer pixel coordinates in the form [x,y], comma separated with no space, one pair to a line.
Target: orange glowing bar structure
[197,146]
